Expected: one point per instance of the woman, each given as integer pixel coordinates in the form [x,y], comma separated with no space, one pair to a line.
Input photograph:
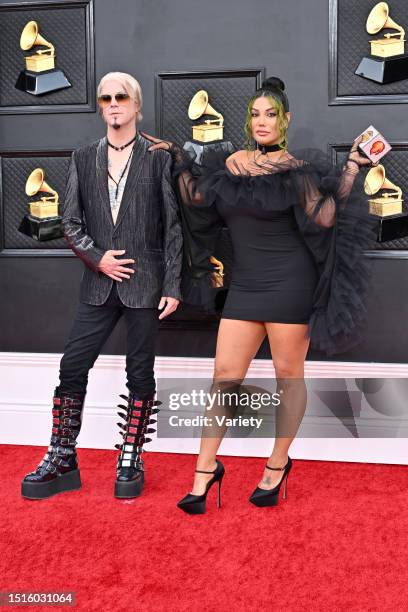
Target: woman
[298,231]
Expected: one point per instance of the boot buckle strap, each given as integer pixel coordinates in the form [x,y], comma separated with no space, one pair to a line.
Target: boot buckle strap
[70,412]
[131,463]
[66,431]
[51,468]
[69,401]
[130,448]
[139,429]
[58,461]
[129,455]
[67,442]
[69,422]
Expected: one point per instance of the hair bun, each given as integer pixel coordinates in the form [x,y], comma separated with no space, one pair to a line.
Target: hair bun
[273,83]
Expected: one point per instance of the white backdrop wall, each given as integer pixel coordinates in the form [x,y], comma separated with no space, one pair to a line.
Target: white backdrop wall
[27,381]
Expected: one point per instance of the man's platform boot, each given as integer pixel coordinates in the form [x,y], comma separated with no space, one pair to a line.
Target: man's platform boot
[58,471]
[130,466]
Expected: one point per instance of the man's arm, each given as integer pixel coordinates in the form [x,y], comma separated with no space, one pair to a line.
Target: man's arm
[73,224]
[173,238]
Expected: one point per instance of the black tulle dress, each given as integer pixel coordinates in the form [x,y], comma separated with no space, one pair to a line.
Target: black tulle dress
[298,229]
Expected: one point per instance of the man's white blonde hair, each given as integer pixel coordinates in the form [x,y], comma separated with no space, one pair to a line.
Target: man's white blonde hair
[131,85]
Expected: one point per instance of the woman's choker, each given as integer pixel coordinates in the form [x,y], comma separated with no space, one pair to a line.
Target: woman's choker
[268,148]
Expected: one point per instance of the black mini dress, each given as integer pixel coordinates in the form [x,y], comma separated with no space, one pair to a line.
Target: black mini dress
[273,276]
[298,230]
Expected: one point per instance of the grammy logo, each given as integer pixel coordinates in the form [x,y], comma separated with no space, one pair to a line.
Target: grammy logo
[208,135]
[390,44]
[211,129]
[43,221]
[388,62]
[390,202]
[40,76]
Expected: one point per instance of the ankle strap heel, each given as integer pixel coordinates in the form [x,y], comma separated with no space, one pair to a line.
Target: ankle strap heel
[270,497]
[206,472]
[196,504]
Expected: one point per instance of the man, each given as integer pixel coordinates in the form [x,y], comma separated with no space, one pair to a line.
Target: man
[120,216]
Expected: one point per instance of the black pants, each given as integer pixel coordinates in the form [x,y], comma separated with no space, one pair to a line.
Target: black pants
[91,328]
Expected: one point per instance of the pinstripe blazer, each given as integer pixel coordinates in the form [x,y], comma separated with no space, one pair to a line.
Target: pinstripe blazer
[147,227]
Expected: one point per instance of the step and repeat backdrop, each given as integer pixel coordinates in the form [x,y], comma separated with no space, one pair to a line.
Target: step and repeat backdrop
[52,55]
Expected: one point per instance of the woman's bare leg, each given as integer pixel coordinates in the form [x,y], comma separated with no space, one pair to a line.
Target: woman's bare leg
[289,345]
[237,344]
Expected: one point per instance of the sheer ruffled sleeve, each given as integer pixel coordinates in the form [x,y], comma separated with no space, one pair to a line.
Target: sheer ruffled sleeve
[202,276]
[336,225]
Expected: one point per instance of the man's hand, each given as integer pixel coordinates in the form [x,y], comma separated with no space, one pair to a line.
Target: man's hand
[115,268]
[172,304]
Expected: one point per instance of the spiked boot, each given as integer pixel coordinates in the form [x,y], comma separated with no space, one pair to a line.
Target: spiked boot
[130,466]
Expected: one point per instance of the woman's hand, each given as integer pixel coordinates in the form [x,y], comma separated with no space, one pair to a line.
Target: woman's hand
[357,158]
[217,275]
[158,143]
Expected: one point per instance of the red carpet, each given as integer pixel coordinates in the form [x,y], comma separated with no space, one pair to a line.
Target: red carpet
[339,542]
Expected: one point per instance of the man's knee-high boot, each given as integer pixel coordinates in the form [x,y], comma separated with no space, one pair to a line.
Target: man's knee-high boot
[130,466]
[58,471]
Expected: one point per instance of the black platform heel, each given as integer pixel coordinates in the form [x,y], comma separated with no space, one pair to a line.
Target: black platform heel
[270,497]
[195,504]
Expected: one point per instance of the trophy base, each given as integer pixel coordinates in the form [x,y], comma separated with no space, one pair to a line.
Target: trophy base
[198,150]
[384,71]
[393,227]
[41,229]
[40,83]
[385,207]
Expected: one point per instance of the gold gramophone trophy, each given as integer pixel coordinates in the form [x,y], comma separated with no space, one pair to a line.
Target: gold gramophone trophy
[40,76]
[388,62]
[392,221]
[207,135]
[390,202]
[43,221]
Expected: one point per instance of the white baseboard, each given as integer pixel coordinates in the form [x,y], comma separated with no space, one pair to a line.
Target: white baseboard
[27,381]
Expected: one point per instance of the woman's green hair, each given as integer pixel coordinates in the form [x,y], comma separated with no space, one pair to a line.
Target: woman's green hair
[281,117]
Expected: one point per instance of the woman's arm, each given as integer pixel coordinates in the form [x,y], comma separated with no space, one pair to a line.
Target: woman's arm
[323,209]
[181,169]
[201,224]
